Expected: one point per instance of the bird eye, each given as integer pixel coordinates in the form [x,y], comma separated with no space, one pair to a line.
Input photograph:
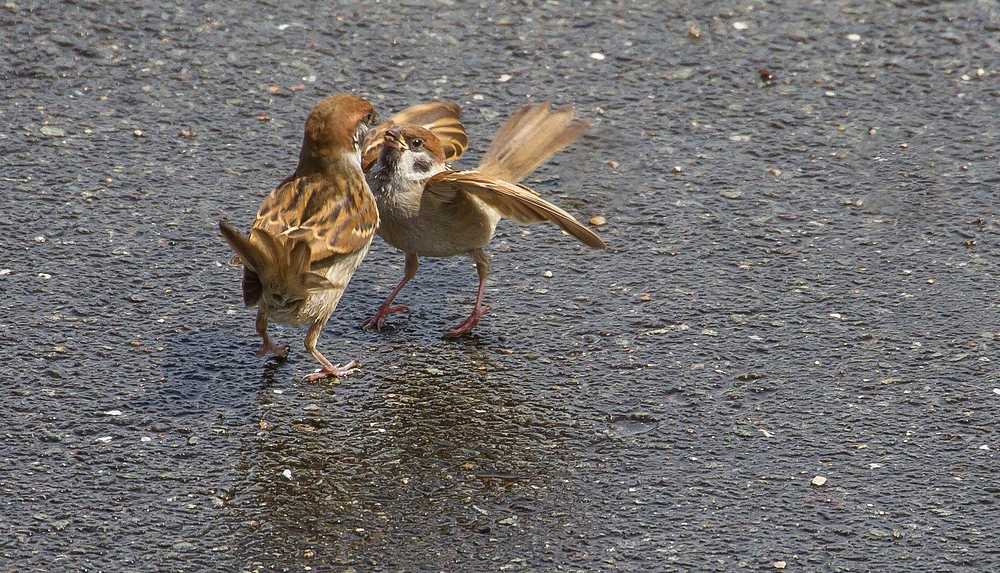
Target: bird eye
[417,143]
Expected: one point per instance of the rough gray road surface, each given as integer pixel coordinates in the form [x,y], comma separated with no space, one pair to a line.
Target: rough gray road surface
[801,284]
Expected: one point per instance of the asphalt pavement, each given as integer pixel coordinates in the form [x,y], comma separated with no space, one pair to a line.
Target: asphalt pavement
[786,360]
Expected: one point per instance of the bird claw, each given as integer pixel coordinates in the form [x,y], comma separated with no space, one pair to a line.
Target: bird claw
[466,326]
[378,321]
[336,371]
[279,351]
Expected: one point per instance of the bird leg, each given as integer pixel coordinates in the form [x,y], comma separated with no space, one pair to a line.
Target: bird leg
[385,309]
[478,311]
[328,369]
[268,346]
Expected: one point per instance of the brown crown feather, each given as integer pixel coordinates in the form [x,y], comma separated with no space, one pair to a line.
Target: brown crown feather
[441,118]
[430,141]
[331,129]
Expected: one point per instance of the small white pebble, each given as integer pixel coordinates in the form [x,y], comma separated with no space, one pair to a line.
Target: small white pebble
[287,474]
[854,37]
[741,25]
[145,439]
[5,272]
[114,412]
[830,94]
[597,56]
[984,447]
[283,26]
[818,481]
[504,78]
[996,390]
[547,274]
[835,315]
[309,79]
[40,239]
[278,391]
[137,133]
[44,276]
[478,97]
[104,439]
[779,564]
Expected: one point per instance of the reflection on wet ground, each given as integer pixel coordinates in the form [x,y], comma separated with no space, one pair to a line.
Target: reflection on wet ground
[377,470]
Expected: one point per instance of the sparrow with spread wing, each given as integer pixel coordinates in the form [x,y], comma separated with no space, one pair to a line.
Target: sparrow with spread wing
[312,231]
[428,209]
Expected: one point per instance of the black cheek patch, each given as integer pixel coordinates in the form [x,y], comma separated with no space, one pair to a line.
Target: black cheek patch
[422,164]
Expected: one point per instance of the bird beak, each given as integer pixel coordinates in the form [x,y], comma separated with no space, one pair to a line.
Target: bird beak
[394,139]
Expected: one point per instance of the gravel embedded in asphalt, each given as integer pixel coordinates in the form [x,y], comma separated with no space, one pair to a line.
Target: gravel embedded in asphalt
[800,287]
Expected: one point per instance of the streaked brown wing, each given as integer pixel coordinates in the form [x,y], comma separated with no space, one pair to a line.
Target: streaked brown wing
[512,201]
[440,118]
[332,216]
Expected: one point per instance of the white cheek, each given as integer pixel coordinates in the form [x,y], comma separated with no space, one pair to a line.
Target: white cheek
[408,167]
[407,170]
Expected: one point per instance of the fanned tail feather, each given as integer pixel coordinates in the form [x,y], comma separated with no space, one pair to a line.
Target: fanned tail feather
[531,136]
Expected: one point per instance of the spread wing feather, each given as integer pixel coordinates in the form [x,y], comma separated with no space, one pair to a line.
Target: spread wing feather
[515,202]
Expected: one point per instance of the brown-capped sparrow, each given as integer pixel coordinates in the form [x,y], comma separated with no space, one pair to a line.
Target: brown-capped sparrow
[438,117]
[428,209]
[312,231]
